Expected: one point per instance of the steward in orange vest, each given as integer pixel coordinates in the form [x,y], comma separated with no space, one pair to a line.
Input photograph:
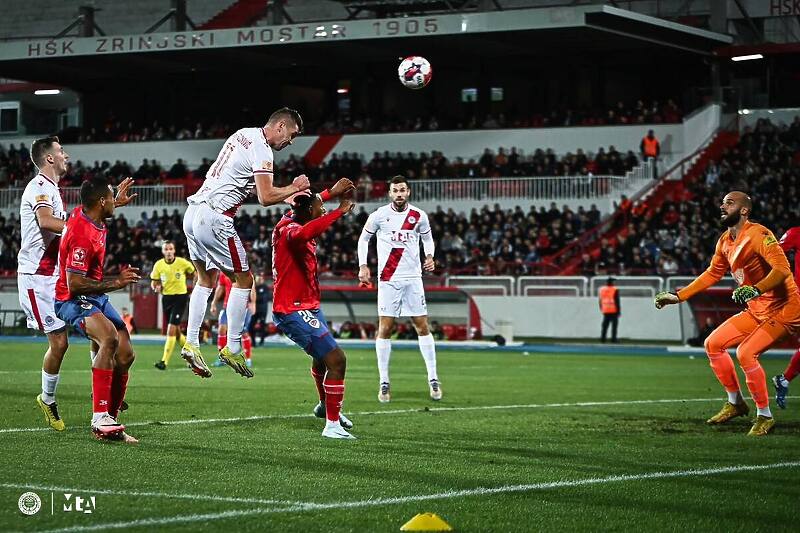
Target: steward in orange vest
[610,307]
[650,147]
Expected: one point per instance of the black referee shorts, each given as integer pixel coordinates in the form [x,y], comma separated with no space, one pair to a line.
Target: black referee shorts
[174,306]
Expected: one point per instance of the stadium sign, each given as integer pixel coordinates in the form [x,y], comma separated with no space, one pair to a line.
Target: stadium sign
[472,23]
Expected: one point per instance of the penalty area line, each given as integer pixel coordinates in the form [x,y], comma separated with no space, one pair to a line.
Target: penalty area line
[480,491]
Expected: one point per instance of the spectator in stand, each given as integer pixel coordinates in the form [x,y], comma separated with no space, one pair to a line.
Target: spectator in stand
[178,170]
[650,148]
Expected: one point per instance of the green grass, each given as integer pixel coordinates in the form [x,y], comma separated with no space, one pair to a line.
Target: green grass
[419,451]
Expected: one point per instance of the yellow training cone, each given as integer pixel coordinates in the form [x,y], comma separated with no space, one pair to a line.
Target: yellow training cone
[426,522]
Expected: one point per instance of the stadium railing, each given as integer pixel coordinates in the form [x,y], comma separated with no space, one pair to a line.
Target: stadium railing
[149,195]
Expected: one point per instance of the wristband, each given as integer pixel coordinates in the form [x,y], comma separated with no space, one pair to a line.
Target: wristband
[325,195]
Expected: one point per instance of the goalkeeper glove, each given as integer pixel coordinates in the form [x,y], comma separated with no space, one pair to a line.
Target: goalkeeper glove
[663,298]
[745,293]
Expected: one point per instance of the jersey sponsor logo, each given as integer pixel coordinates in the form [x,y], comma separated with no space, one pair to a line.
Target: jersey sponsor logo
[78,256]
[42,198]
[769,240]
[402,236]
[309,318]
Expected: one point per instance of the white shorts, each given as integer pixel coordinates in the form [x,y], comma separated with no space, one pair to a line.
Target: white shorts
[191,243]
[37,296]
[217,242]
[404,297]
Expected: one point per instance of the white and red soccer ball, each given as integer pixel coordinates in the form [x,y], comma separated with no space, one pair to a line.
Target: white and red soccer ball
[415,72]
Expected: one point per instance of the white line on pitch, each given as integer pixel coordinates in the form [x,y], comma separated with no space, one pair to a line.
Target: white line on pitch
[145,494]
[192,421]
[480,491]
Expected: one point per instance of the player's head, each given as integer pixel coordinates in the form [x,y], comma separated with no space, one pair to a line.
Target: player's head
[307,207]
[48,154]
[282,127]
[735,206]
[399,191]
[168,251]
[96,194]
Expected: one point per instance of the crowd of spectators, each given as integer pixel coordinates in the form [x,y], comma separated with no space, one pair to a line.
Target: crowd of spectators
[679,237]
[622,113]
[16,167]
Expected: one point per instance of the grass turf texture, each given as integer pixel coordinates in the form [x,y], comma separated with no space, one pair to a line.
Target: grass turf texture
[401,455]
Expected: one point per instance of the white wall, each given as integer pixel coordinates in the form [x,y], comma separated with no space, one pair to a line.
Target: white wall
[561,317]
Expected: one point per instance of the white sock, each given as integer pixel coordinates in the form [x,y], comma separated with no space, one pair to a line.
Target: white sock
[428,348]
[383,348]
[764,411]
[92,356]
[236,311]
[198,303]
[735,397]
[49,384]
[98,416]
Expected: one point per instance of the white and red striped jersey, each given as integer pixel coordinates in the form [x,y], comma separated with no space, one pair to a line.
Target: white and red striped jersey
[399,234]
[38,252]
[231,179]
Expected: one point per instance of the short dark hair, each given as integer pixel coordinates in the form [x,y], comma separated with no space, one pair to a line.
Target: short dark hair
[303,202]
[399,179]
[40,148]
[166,242]
[289,113]
[93,190]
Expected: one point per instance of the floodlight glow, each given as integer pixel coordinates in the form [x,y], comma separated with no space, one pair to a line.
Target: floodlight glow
[44,92]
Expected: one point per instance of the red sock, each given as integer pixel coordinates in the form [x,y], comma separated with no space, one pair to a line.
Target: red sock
[247,344]
[118,387]
[793,368]
[334,394]
[318,378]
[222,341]
[101,390]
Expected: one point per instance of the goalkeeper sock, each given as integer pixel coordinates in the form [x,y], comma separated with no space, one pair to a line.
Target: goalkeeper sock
[756,380]
[169,345]
[722,365]
[735,397]
[793,368]
[383,348]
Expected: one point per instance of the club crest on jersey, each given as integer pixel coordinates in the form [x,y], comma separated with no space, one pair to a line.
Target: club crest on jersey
[78,256]
[49,320]
[86,305]
[266,165]
[412,219]
[42,198]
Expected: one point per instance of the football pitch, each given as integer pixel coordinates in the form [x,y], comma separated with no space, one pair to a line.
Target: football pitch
[538,442]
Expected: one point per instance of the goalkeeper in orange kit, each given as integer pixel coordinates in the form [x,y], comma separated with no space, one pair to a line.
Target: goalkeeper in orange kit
[758,264]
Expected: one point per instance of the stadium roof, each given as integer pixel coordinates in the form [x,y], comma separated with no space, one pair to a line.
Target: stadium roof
[298,51]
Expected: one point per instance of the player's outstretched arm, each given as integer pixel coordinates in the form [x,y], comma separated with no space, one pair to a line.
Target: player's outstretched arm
[343,187]
[79,284]
[317,227]
[268,194]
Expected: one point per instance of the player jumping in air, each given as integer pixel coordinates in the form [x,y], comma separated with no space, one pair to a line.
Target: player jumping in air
[243,166]
[755,259]
[296,298]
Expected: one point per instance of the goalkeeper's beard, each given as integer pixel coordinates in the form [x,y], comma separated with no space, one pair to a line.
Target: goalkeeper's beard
[731,220]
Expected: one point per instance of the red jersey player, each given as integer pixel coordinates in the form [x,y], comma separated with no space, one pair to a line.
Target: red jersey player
[296,299]
[790,242]
[81,301]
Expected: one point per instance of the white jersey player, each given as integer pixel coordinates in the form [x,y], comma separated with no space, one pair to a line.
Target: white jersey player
[243,167]
[400,227]
[42,215]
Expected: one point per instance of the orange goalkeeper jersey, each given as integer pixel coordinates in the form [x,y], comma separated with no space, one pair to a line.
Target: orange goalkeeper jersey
[750,258]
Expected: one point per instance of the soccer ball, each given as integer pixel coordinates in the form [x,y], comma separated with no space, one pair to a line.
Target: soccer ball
[415,72]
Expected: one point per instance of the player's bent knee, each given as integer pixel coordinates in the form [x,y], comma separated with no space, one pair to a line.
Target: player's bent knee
[745,356]
[713,345]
